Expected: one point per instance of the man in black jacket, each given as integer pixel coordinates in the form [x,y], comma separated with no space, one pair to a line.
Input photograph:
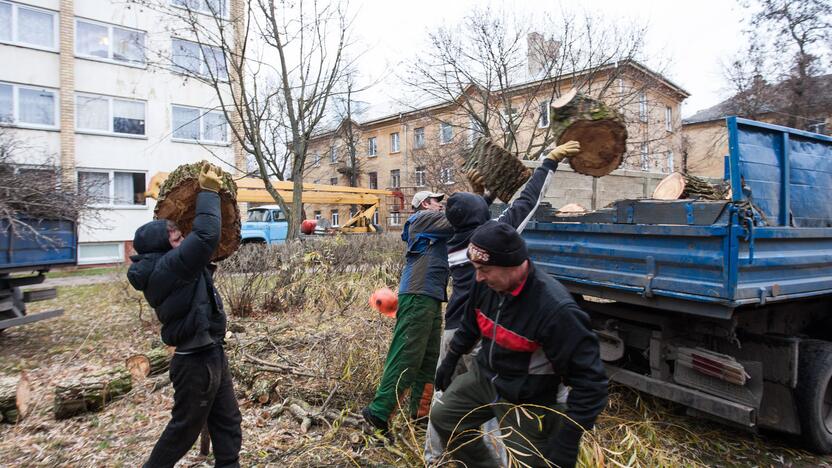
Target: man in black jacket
[534,337]
[173,273]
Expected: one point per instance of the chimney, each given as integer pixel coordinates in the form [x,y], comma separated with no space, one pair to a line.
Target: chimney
[540,53]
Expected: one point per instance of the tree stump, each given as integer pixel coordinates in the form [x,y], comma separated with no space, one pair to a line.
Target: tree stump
[502,171]
[14,398]
[156,361]
[601,131]
[177,202]
[90,393]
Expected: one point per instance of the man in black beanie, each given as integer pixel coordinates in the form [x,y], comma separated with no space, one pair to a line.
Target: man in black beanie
[534,337]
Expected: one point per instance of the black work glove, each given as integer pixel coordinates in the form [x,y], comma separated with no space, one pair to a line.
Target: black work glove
[563,446]
[445,372]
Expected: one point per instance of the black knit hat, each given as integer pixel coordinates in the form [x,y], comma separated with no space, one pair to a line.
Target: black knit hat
[497,244]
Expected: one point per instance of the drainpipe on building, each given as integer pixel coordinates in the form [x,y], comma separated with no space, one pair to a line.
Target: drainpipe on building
[67,91]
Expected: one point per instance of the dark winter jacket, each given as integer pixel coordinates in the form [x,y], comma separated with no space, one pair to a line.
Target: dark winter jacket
[534,338]
[426,262]
[177,282]
[466,212]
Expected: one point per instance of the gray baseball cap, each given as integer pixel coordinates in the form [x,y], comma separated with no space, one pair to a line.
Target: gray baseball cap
[419,197]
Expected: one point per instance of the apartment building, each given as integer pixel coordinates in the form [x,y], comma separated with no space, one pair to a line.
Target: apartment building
[82,86]
[421,149]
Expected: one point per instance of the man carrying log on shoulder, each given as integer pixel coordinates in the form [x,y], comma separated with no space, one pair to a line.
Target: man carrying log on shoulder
[466,212]
[175,275]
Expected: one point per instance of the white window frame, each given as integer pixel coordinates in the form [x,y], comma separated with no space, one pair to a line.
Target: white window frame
[14,41]
[110,59]
[317,214]
[645,157]
[543,118]
[642,107]
[395,218]
[110,131]
[16,108]
[419,137]
[203,64]
[316,159]
[223,14]
[333,154]
[419,174]
[395,147]
[375,217]
[201,139]
[670,161]
[447,175]
[372,147]
[336,218]
[442,127]
[111,186]
[668,118]
[98,260]
[397,178]
[370,181]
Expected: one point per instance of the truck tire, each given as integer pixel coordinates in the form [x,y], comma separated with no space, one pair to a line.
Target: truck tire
[814,394]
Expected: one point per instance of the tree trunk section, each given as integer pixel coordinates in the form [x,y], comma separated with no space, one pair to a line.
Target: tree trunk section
[156,361]
[177,202]
[502,171]
[14,398]
[678,185]
[90,393]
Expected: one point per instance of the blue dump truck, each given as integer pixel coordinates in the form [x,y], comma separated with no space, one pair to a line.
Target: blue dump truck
[722,306]
[27,251]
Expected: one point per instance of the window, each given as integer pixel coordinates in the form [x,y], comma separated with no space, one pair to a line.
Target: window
[642,107]
[106,114]
[543,120]
[316,158]
[668,119]
[509,119]
[446,133]
[371,146]
[373,176]
[335,218]
[419,137]
[375,217]
[395,178]
[318,214]
[395,218]
[24,105]
[475,131]
[394,142]
[100,252]
[202,125]
[670,161]
[28,26]
[104,41]
[447,175]
[203,60]
[333,154]
[420,176]
[113,187]
[209,7]
[645,161]
[333,181]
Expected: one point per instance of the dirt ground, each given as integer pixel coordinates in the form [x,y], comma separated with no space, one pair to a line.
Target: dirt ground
[331,358]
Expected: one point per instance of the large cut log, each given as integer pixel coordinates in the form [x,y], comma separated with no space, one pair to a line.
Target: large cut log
[502,171]
[600,130]
[91,392]
[177,202]
[678,185]
[14,398]
[156,361]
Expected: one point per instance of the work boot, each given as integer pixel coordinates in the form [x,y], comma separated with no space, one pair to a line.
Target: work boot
[377,424]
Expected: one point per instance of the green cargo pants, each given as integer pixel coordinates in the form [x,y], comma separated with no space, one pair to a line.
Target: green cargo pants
[470,401]
[411,360]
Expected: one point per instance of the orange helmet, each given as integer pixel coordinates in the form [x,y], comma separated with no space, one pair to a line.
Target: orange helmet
[385,301]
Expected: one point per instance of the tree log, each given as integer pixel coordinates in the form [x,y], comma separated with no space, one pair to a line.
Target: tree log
[261,389]
[502,171]
[90,393]
[156,361]
[177,202]
[14,398]
[678,185]
[600,130]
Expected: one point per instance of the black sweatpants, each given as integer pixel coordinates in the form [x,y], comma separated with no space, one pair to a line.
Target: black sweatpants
[202,392]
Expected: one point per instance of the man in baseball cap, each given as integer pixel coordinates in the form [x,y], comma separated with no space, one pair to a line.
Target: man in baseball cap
[432,199]
[534,337]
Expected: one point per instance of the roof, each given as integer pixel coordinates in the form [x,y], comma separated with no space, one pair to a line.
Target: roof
[764,98]
[393,110]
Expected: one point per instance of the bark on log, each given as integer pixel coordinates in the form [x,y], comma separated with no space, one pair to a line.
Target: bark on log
[90,393]
[262,388]
[156,361]
[14,398]
[502,171]
[599,129]
[678,185]
[177,201]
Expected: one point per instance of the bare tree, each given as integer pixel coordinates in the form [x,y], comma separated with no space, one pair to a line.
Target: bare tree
[274,67]
[498,76]
[439,165]
[348,110]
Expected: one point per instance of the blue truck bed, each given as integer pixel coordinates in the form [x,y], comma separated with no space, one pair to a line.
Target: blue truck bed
[770,242]
[55,244]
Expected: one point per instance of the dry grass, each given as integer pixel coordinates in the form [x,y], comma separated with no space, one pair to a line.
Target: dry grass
[317,325]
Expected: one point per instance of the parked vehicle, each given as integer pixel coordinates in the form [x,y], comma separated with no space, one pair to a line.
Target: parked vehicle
[722,306]
[26,255]
[265,225]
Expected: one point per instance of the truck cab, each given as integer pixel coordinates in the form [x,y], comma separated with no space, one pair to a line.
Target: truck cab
[265,225]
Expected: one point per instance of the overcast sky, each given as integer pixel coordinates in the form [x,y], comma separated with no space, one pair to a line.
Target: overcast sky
[691,37]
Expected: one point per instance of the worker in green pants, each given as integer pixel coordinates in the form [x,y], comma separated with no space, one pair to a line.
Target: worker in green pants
[414,350]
